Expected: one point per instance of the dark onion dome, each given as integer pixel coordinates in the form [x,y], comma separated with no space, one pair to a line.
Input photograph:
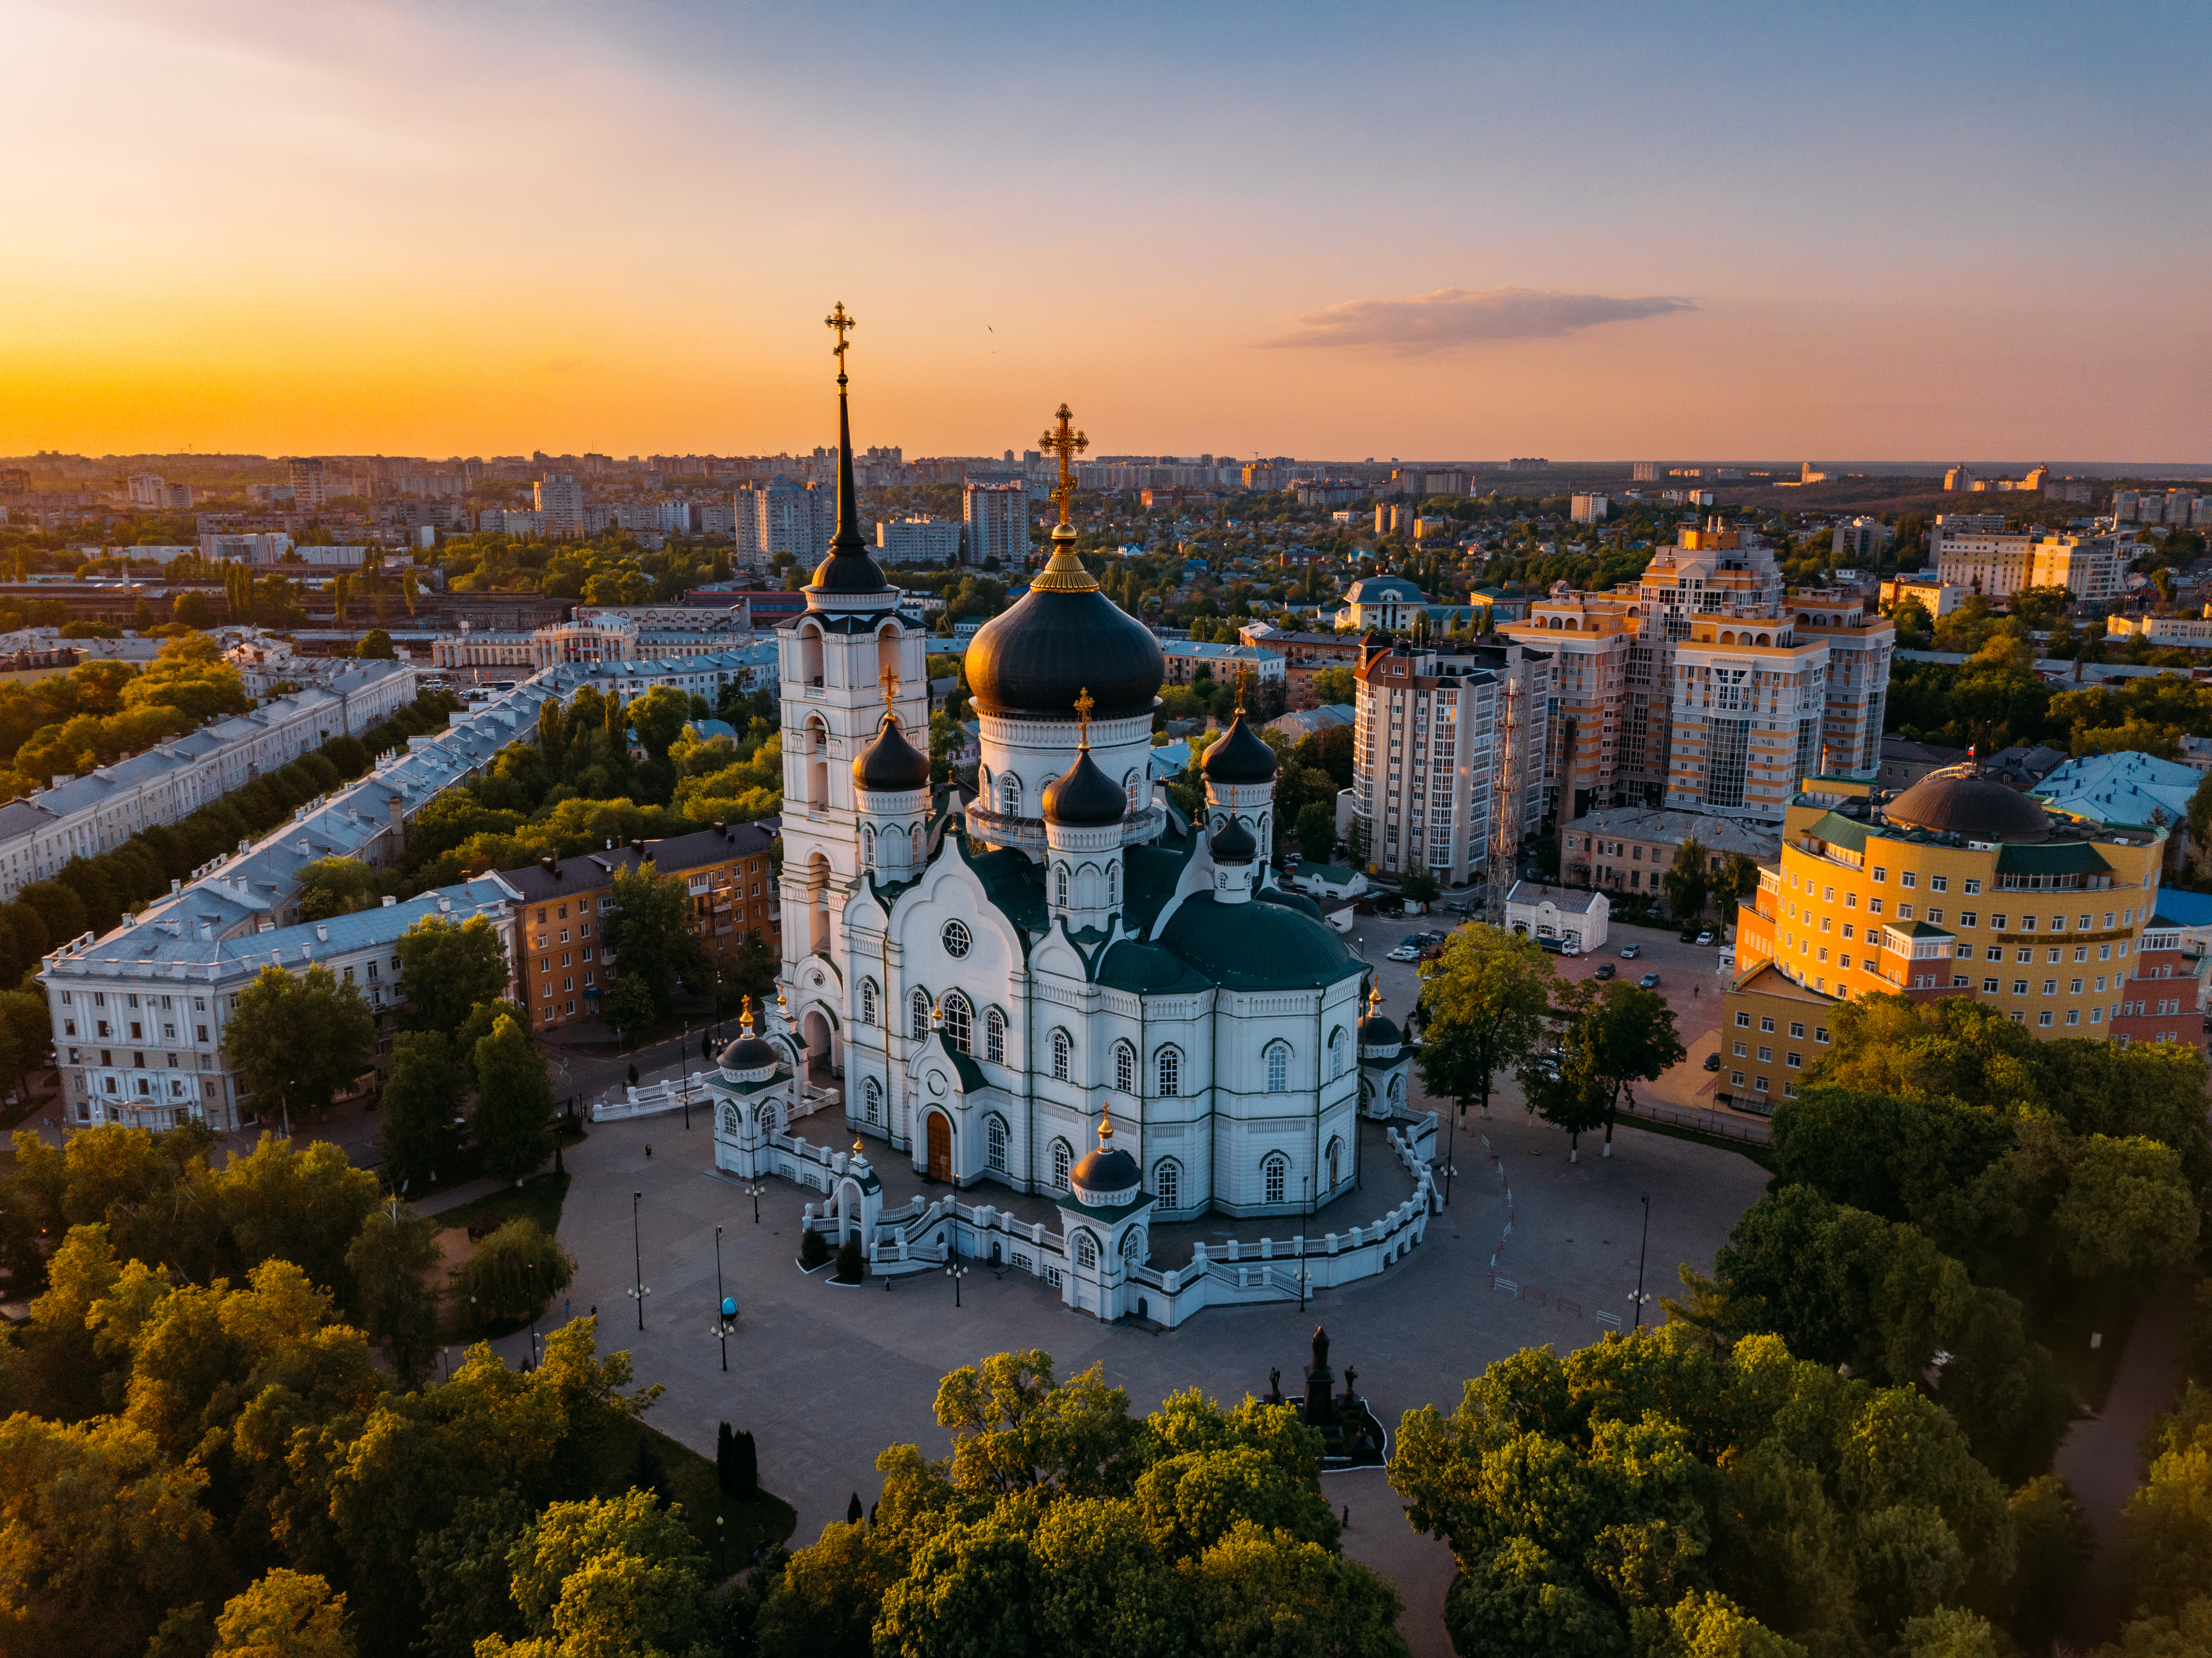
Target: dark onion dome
[1106,1179]
[1959,800]
[1233,843]
[749,1052]
[1241,756]
[1083,797]
[1375,1032]
[1062,637]
[890,764]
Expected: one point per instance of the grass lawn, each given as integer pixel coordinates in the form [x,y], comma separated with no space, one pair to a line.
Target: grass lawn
[612,1450]
[539,1198]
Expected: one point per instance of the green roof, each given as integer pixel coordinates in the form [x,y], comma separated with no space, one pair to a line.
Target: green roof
[1140,968]
[1839,831]
[2055,857]
[1335,875]
[1289,900]
[1015,885]
[1257,946]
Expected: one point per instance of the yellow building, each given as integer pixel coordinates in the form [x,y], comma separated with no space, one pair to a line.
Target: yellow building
[1957,887]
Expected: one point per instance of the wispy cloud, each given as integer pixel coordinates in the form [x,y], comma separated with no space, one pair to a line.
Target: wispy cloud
[1458,316]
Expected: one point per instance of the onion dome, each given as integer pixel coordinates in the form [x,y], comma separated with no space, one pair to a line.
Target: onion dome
[1960,800]
[890,764]
[1083,797]
[1240,756]
[749,1052]
[1233,843]
[1062,637]
[1106,1179]
[1379,1038]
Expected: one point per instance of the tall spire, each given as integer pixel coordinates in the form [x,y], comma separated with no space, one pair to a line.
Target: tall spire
[847,538]
[1064,572]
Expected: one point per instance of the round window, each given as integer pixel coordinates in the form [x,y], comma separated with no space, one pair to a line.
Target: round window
[957,939]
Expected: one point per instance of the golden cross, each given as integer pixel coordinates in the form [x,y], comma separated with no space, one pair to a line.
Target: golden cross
[889,680]
[1066,443]
[1084,704]
[840,324]
[1243,671]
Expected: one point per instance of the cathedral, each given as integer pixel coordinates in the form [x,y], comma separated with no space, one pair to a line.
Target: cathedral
[1067,985]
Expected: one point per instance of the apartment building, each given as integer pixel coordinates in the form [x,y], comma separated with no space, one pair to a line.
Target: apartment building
[1860,645]
[563,970]
[2164,990]
[1303,654]
[997,517]
[1628,848]
[1588,638]
[139,1016]
[310,483]
[784,516]
[1996,565]
[1860,540]
[1448,756]
[1959,887]
[1223,663]
[559,499]
[920,540]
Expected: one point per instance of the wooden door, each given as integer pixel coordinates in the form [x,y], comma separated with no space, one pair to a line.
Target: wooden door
[941,1147]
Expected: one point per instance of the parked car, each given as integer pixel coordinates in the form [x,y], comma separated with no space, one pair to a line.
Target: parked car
[1458,908]
[1713,1060]
[1630,952]
[1569,947]
[1706,937]
[1649,981]
[1689,935]
[1604,970]
[1406,952]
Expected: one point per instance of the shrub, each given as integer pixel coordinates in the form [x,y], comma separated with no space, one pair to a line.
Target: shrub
[514,1272]
[851,1265]
[813,1251]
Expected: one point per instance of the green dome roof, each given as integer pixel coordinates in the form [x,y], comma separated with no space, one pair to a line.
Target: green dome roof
[1257,946]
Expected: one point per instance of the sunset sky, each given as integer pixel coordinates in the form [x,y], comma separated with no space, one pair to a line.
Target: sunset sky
[1865,232]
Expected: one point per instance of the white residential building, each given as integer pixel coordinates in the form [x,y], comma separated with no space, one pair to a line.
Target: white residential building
[560,502]
[920,540]
[998,523]
[1588,509]
[783,517]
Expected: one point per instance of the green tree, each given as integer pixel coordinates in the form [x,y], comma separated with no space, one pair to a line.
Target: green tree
[1687,882]
[620,1577]
[1623,1035]
[2128,1211]
[659,717]
[26,1033]
[514,1272]
[1316,832]
[376,643]
[193,610]
[511,1123]
[336,886]
[1569,1096]
[1419,887]
[420,1104]
[298,1042]
[1740,879]
[1483,1003]
[391,1260]
[287,1614]
[652,935]
[448,969]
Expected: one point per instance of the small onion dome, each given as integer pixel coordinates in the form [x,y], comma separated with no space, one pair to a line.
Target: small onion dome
[849,570]
[1958,800]
[1240,756]
[749,1052]
[890,764]
[1233,843]
[1106,1179]
[1083,797]
[1379,1038]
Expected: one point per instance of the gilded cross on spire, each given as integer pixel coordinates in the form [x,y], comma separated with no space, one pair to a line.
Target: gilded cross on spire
[1084,704]
[889,681]
[1243,673]
[1065,442]
[840,324]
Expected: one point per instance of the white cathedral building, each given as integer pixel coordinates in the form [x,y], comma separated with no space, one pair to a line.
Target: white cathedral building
[990,987]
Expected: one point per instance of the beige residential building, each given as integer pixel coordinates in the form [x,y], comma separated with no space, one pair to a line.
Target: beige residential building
[1590,637]
[560,500]
[1997,566]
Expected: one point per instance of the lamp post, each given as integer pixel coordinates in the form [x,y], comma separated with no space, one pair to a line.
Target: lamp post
[1642,1250]
[753,1190]
[725,1320]
[1302,1274]
[637,1259]
[956,1272]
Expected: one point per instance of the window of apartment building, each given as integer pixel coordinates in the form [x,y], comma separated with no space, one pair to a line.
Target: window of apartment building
[1879,873]
[1766,1024]
[1743,1021]
[1819,1033]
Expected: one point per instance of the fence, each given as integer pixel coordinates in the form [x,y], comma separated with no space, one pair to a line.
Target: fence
[669,1093]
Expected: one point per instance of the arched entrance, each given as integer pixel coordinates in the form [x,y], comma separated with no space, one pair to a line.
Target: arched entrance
[941,1147]
[821,1046]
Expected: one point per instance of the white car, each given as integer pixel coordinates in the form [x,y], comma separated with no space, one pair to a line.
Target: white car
[1404,953]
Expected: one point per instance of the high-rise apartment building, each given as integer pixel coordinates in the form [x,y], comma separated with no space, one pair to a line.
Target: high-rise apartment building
[1860,540]
[997,516]
[1997,566]
[560,499]
[149,490]
[1643,471]
[1588,509]
[308,485]
[784,516]
[918,540]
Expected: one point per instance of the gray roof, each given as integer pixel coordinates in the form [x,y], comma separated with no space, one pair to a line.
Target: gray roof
[1571,899]
[593,870]
[1715,831]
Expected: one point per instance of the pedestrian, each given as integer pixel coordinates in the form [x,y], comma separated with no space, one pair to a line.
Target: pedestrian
[1695,989]
[648,1148]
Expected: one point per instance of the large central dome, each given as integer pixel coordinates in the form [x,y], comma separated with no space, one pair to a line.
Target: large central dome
[1057,640]
[1961,801]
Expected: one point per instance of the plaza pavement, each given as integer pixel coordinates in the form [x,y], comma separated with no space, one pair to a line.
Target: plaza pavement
[826,1377]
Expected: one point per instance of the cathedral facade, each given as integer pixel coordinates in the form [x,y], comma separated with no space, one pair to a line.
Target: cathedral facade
[1067,962]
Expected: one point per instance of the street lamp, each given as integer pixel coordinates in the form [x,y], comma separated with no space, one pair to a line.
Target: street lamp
[725,1320]
[754,1191]
[1303,1274]
[956,1272]
[637,1259]
[1642,1250]
[530,1267]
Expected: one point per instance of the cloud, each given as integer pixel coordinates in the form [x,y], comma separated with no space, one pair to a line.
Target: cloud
[1457,316]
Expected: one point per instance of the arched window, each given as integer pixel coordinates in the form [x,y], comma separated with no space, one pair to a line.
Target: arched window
[868,1001]
[1167,1182]
[920,843]
[1063,1055]
[1336,1053]
[1060,1163]
[1125,1067]
[1278,1067]
[873,1094]
[1133,1246]
[1113,883]
[1060,885]
[867,845]
[1397,1093]
[1275,1175]
[917,1015]
[1335,1161]
[1129,787]
[995,1133]
[1170,1064]
[1010,795]
[959,1021]
[994,1036]
[1086,1251]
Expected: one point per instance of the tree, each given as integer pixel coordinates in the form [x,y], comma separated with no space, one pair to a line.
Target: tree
[336,886]
[1419,887]
[1739,878]
[737,1464]
[514,1272]
[659,717]
[1568,1095]
[2128,1211]
[1482,1003]
[653,937]
[287,1614]
[1686,882]
[617,1576]
[298,1042]
[377,644]
[514,1103]
[26,1033]
[1627,1035]
[388,1262]
[421,1101]
[193,610]
[447,969]
[1316,832]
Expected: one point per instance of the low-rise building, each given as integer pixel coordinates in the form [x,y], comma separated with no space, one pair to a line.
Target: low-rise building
[1628,848]
[2184,632]
[1541,912]
[1773,1029]
[1904,763]
[1223,663]
[1304,654]
[2126,790]
[1938,598]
